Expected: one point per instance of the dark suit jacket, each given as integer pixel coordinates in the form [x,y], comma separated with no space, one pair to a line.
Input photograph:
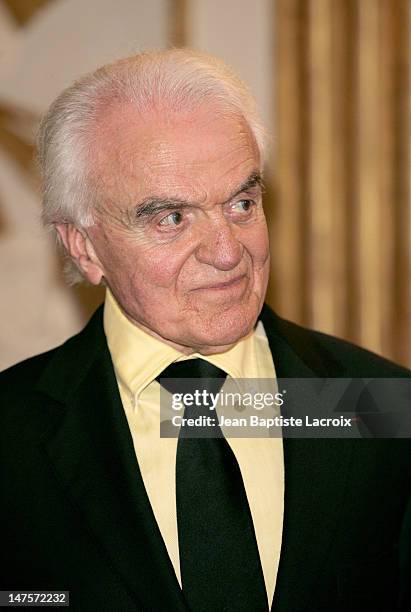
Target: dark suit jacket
[75,515]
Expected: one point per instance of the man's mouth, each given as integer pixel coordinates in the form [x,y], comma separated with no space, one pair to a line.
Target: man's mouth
[230,284]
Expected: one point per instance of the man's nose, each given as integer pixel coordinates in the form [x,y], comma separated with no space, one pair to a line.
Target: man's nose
[220,247]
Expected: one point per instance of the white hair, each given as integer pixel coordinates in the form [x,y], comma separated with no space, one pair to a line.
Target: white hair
[176,80]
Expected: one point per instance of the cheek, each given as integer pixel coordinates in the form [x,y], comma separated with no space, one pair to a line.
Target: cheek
[257,244]
[133,267]
[149,267]
[160,266]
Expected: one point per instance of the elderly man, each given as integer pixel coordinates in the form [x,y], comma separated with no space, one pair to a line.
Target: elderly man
[152,181]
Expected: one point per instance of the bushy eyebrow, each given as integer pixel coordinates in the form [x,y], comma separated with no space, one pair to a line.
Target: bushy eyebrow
[152,205]
[254,180]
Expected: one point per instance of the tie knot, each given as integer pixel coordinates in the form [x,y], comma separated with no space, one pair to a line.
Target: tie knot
[191,374]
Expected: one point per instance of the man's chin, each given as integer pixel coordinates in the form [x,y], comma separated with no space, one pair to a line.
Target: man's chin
[222,332]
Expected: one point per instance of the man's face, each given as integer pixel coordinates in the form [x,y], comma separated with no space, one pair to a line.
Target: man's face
[182,238]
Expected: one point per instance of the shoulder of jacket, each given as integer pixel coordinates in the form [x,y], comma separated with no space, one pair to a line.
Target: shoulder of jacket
[355,360]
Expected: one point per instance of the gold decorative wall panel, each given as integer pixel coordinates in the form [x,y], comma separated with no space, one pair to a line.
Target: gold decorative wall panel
[341,168]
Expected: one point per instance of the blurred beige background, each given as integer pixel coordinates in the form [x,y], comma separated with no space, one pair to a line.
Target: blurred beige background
[332,78]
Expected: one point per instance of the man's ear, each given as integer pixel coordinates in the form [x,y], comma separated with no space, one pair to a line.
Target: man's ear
[80,249]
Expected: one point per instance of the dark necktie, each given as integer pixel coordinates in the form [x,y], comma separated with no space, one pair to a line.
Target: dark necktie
[219,560]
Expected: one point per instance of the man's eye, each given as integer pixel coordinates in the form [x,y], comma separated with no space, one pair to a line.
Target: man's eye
[242,206]
[173,219]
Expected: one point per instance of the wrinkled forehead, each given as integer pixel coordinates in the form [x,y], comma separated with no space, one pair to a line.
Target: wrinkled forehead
[197,154]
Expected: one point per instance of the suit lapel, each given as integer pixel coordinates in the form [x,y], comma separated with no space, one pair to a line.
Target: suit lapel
[316,474]
[93,457]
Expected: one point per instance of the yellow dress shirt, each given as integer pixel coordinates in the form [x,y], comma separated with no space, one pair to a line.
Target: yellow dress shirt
[138,359]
